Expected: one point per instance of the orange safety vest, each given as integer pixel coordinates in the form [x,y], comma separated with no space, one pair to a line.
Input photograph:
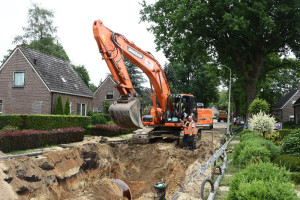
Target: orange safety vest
[185,129]
[191,129]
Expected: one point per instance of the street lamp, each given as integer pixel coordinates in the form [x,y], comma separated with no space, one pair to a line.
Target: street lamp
[228,120]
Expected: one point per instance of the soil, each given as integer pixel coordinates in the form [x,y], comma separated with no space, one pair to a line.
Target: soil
[85,170]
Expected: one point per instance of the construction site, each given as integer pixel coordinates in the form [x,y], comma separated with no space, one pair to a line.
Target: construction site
[112,170]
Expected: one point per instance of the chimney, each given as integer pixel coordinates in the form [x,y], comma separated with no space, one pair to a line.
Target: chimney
[298,86]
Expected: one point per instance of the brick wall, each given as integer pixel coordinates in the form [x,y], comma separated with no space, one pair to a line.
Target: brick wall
[74,101]
[100,94]
[33,98]
[288,109]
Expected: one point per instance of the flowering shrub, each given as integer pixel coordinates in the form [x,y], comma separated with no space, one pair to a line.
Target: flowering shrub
[262,123]
[20,140]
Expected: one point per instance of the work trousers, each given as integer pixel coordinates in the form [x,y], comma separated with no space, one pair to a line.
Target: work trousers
[191,139]
[185,140]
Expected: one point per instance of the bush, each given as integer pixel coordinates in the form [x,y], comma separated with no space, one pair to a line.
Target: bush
[44,122]
[21,140]
[107,130]
[274,137]
[253,154]
[262,123]
[295,178]
[253,148]
[290,125]
[261,181]
[105,105]
[98,118]
[292,163]
[291,143]
[259,105]
[283,133]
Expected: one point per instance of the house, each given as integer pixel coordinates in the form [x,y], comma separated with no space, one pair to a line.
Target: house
[30,83]
[297,111]
[283,109]
[105,92]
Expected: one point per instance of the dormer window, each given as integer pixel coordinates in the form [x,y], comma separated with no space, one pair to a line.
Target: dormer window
[19,79]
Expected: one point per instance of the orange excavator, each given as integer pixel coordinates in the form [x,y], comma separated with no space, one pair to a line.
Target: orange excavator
[168,109]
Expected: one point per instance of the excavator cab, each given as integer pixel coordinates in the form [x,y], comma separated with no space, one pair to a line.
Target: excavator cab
[178,107]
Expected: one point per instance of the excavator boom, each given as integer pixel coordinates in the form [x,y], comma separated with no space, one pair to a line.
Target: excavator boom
[113,48]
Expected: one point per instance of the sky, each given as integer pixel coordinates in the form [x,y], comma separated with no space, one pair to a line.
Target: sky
[74,20]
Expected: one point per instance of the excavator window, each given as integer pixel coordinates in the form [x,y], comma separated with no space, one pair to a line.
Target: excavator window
[177,108]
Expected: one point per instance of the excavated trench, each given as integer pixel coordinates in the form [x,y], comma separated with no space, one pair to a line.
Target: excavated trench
[89,171]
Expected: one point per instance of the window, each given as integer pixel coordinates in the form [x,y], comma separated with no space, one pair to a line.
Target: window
[97,110]
[81,109]
[0,106]
[109,95]
[291,117]
[19,78]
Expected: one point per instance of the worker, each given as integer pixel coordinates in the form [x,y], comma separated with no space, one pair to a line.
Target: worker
[191,133]
[185,128]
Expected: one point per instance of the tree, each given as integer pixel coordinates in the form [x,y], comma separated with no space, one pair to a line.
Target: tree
[259,105]
[238,34]
[194,78]
[59,106]
[93,87]
[105,105]
[137,79]
[136,76]
[83,73]
[40,33]
[67,107]
[40,25]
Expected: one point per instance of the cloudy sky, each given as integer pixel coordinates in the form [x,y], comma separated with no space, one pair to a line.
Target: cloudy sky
[74,20]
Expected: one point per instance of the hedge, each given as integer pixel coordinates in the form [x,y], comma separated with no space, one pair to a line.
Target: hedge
[21,140]
[291,162]
[107,130]
[44,122]
[261,181]
[254,148]
[291,143]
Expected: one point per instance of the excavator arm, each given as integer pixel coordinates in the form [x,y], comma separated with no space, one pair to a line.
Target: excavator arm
[113,48]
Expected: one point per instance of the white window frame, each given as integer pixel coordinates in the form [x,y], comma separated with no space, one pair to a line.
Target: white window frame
[1,105]
[112,95]
[23,80]
[81,109]
[70,107]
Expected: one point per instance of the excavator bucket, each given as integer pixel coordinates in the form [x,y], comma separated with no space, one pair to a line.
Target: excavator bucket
[127,114]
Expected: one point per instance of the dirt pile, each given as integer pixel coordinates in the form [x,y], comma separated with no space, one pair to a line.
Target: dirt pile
[86,172]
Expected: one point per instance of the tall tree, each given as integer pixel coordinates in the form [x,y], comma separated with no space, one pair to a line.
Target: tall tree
[194,78]
[59,106]
[83,73]
[137,79]
[239,34]
[40,34]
